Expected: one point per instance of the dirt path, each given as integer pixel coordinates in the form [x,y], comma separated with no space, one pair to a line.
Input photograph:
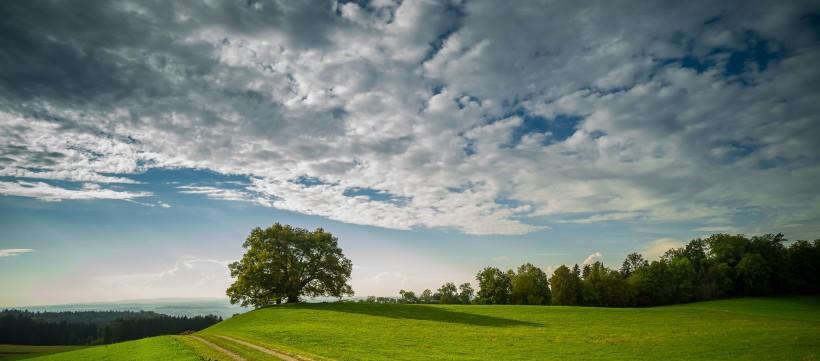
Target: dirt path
[262,349]
[218,348]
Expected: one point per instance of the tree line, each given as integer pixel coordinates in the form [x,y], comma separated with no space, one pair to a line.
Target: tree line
[92,327]
[719,266]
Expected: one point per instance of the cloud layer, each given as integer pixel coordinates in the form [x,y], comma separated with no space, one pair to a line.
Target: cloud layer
[485,118]
[14,252]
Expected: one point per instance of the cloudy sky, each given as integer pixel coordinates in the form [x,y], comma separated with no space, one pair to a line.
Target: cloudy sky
[140,141]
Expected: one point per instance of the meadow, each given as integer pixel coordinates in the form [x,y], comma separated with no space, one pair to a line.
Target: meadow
[784,328]
[21,352]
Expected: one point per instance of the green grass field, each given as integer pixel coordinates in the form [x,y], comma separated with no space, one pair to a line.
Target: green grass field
[21,352]
[738,329]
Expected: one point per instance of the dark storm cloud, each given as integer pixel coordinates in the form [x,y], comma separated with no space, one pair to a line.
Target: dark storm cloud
[102,54]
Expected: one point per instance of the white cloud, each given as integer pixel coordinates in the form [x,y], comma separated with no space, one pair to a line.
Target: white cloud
[50,193]
[223,193]
[429,105]
[11,252]
[655,249]
[592,258]
[191,277]
[617,216]
[717,229]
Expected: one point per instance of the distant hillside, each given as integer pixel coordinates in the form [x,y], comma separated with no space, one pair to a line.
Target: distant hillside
[172,307]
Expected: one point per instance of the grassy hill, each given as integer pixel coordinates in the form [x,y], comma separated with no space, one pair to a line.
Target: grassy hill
[737,329]
[21,352]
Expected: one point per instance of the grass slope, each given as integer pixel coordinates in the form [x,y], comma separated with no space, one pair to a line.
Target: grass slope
[722,330]
[20,352]
[163,348]
[738,329]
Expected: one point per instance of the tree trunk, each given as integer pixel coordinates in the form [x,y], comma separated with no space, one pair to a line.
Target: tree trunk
[293,299]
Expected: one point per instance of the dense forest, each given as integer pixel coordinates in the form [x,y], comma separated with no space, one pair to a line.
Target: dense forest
[719,266]
[92,327]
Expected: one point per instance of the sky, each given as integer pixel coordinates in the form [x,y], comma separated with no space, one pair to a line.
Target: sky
[141,141]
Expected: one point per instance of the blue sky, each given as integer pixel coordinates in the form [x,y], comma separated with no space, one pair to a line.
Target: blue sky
[432,137]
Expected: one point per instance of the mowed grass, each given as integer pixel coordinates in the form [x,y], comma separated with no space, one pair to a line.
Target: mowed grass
[737,329]
[754,329]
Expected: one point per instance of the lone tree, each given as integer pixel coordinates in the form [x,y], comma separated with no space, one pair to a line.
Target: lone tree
[284,263]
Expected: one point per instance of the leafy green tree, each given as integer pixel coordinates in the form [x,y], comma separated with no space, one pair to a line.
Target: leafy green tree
[695,251]
[775,258]
[721,265]
[426,296]
[605,287]
[652,284]
[283,263]
[448,293]
[681,279]
[632,262]
[465,294]
[804,266]
[716,282]
[566,287]
[493,286]
[752,274]
[726,248]
[408,297]
[530,286]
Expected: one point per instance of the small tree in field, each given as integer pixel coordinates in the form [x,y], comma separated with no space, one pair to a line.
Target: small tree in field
[284,263]
[530,286]
[493,286]
[448,293]
[466,292]
[408,297]
[426,296]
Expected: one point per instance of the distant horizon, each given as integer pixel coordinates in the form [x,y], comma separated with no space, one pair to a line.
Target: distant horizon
[137,300]
[167,300]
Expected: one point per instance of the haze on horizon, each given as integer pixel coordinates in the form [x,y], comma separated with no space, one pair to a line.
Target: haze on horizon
[141,141]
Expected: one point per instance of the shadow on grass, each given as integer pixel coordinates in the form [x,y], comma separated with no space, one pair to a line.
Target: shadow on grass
[416,312]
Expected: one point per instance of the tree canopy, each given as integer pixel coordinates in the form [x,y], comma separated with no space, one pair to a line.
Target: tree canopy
[493,286]
[718,266]
[283,263]
[530,286]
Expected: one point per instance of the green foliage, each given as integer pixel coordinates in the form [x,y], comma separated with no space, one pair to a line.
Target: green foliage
[529,286]
[566,287]
[448,293]
[752,274]
[804,266]
[426,296]
[408,297]
[466,293]
[632,262]
[602,286]
[284,263]
[493,286]
[92,327]
[725,265]
[715,267]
